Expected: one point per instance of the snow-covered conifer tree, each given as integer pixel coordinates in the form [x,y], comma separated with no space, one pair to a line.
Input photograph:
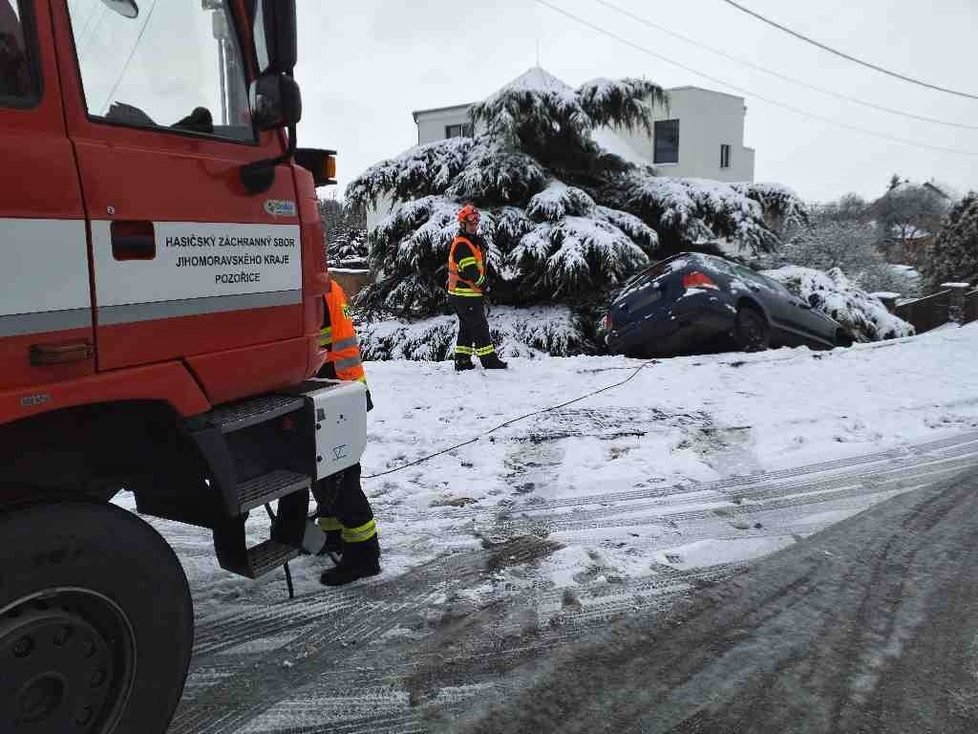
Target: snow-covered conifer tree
[565,220]
[953,256]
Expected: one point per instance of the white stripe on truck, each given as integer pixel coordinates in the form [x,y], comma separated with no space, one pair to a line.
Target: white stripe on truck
[197,268]
[43,270]
[199,260]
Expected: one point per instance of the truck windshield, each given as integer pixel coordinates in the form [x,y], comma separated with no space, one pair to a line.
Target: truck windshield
[176,65]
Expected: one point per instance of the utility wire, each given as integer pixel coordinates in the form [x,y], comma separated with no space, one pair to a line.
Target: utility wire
[508,423]
[779,75]
[847,57]
[132,52]
[742,90]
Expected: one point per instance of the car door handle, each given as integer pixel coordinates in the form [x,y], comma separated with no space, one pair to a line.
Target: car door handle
[133,240]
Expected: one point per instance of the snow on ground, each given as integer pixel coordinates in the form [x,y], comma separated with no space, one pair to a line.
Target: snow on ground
[678,422]
[657,441]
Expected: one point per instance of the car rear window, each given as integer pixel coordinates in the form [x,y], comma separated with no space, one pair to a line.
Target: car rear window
[662,267]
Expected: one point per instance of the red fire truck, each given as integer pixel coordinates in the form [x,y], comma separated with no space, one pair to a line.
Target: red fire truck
[161,281]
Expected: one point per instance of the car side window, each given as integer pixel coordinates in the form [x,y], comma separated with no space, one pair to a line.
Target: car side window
[18,77]
[173,65]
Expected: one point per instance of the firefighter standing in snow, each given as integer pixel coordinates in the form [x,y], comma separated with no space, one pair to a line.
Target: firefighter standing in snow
[343,510]
[466,279]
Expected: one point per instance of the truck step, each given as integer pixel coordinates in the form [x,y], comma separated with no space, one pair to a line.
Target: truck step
[262,490]
[269,556]
[237,416]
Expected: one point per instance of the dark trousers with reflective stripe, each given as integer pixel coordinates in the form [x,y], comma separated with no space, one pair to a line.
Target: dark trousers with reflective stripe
[342,497]
[473,327]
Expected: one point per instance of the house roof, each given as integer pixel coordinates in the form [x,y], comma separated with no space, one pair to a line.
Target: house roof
[703,89]
[539,78]
[449,108]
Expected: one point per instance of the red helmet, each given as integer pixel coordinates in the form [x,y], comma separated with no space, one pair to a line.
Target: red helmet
[468,213]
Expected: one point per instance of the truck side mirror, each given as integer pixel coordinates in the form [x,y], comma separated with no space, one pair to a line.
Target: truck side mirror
[275,101]
[275,32]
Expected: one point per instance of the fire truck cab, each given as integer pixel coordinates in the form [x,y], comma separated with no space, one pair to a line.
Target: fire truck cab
[162,272]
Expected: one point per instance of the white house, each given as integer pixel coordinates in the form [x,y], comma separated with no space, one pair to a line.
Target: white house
[699,135]
[443,122]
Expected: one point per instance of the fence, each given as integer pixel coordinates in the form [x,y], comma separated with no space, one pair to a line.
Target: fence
[926,313]
[971,307]
[938,308]
[352,281]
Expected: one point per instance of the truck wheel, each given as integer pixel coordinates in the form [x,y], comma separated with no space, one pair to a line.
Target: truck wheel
[751,330]
[96,622]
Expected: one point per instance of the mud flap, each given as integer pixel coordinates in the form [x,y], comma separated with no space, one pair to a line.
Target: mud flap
[314,539]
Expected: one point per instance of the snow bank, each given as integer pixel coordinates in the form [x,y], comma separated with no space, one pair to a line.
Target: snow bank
[864,315]
[517,332]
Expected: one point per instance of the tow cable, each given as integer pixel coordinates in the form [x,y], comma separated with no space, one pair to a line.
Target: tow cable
[513,421]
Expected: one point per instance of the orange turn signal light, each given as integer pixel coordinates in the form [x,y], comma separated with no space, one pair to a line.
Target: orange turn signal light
[320,163]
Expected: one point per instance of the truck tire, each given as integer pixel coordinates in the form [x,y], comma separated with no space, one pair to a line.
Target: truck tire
[96,622]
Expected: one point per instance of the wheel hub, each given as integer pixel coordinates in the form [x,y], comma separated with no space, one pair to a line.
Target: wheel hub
[68,664]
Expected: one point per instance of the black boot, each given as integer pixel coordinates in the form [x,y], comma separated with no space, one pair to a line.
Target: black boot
[360,560]
[493,362]
[463,363]
[333,544]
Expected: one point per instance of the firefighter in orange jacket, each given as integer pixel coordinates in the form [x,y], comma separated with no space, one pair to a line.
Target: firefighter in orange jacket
[343,511]
[466,280]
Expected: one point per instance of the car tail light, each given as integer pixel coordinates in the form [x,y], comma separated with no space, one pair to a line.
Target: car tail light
[697,279]
[608,323]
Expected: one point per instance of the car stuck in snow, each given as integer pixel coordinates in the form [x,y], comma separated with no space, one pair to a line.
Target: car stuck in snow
[694,302]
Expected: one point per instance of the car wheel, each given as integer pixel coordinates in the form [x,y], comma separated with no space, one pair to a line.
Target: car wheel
[96,622]
[842,339]
[751,331]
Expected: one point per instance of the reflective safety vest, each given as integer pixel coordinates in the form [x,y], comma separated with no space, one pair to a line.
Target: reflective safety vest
[340,337]
[457,285]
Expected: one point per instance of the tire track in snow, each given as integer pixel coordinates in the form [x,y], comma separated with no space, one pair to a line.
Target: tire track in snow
[344,629]
[852,467]
[742,502]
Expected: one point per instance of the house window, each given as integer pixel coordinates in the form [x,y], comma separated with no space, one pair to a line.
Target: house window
[459,131]
[666,141]
[724,156]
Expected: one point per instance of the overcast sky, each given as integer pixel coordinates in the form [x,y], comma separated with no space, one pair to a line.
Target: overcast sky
[366,65]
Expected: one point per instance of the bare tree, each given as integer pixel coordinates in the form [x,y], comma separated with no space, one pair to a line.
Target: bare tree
[908,216]
[841,234]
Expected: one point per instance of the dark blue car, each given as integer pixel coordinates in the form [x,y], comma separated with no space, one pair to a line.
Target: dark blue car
[693,302]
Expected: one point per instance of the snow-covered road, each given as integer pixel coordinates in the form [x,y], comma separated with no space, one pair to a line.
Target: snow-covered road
[541,532]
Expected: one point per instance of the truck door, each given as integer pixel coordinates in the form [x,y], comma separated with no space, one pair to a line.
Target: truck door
[186,264]
[45,300]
